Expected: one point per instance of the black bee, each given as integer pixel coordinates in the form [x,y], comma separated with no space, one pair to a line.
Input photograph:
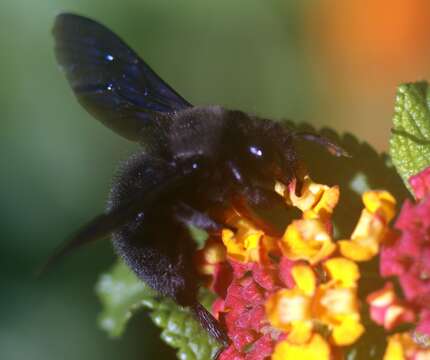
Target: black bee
[193,159]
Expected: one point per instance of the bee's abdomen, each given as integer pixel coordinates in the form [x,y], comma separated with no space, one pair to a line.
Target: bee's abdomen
[152,244]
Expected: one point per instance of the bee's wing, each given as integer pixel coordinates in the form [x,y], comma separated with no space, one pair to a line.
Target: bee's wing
[109,79]
[104,224]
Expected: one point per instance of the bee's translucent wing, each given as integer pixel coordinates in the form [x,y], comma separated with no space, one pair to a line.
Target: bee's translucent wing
[109,79]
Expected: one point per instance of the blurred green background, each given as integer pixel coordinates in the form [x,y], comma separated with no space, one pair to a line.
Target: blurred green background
[330,63]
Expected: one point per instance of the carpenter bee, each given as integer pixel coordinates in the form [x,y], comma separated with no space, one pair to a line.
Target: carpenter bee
[193,159]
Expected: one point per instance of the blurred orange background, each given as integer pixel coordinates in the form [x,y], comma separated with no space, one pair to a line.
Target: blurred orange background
[359,51]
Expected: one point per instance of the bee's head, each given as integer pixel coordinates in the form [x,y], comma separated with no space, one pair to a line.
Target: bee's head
[264,150]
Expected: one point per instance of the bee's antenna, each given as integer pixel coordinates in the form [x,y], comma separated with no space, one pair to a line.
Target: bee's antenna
[331,147]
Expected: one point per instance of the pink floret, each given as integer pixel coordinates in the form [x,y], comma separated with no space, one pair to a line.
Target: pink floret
[424,322]
[408,254]
[420,183]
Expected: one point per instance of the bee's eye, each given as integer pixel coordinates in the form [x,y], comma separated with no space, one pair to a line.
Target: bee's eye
[256,151]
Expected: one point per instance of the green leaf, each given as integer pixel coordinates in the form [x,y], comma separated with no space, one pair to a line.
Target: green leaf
[410,139]
[122,293]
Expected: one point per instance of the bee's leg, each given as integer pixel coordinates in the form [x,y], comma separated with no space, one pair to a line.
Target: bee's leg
[250,201]
[187,215]
[218,353]
[252,208]
[167,266]
[211,325]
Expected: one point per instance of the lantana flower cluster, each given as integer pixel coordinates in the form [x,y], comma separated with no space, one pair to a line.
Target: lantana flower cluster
[296,296]
[405,259]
